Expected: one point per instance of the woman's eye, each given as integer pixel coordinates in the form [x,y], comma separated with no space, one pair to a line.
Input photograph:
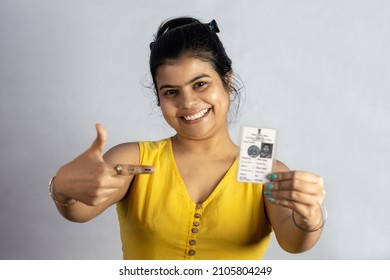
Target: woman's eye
[199,84]
[170,92]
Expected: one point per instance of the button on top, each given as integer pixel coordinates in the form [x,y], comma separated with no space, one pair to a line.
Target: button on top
[199,206]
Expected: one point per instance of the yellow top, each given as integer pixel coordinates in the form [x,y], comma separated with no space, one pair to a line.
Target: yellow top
[158,219]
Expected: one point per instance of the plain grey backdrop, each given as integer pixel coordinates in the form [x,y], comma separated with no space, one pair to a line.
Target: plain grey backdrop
[317,71]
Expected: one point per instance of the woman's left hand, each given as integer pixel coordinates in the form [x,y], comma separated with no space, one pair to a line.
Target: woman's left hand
[302,192]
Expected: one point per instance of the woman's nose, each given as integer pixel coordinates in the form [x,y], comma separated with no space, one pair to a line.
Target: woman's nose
[188,99]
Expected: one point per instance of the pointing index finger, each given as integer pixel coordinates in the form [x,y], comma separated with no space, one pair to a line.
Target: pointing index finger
[131,169]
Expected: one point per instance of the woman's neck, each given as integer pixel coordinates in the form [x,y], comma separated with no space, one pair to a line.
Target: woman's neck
[217,144]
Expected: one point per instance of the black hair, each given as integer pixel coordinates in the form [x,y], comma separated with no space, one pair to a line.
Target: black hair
[183,36]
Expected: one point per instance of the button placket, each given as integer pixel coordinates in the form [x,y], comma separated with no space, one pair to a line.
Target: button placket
[195,229]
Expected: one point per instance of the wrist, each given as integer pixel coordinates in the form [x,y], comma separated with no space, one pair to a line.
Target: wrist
[58,198]
[305,226]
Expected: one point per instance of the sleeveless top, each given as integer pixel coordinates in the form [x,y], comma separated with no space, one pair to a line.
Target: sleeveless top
[158,219]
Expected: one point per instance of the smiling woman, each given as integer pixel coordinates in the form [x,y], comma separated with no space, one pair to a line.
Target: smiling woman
[192,97]
[178,198]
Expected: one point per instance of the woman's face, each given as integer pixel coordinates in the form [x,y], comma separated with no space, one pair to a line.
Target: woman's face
[193,99]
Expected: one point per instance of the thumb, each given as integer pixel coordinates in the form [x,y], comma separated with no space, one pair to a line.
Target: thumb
[100,140]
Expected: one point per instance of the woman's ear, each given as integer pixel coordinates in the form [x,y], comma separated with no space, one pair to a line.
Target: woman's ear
[229,81]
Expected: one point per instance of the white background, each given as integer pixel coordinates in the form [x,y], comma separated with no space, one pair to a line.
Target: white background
[317,71]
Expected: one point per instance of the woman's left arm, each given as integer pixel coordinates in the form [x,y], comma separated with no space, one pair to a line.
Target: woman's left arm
[294,201]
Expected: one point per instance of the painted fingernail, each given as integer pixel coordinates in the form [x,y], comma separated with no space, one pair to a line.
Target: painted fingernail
[267,192]
[269,186]
[271,199]
[273,176]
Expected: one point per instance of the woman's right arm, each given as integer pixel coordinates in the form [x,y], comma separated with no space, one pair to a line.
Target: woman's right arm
[92,181]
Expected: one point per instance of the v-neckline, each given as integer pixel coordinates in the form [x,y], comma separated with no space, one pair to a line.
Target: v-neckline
[183,186]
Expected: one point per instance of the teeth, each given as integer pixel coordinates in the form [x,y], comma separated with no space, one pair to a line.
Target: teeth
[196,116]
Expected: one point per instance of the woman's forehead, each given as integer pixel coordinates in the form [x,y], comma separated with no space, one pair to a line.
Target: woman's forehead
[182,68]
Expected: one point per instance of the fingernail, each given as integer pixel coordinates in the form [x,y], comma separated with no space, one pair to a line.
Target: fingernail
[270,199]
[148,169]
[273,176]
[269,186]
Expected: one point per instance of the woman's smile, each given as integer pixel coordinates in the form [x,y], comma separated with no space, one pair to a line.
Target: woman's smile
[197,116]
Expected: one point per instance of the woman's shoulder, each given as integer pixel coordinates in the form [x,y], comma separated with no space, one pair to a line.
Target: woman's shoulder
[129,153]
[124,153]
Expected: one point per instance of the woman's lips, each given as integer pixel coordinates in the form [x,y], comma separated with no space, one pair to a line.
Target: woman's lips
[197,115]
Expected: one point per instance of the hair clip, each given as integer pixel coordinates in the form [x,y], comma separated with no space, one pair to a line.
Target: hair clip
[213,26]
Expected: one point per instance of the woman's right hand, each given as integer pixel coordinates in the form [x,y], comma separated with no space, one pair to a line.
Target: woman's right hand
[90,179]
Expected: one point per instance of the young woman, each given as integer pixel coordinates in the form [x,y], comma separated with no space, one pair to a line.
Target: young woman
[178,198]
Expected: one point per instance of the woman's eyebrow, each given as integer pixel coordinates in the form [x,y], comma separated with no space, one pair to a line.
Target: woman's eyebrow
[187,83]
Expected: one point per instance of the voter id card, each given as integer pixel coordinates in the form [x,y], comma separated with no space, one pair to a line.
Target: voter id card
[257,154]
